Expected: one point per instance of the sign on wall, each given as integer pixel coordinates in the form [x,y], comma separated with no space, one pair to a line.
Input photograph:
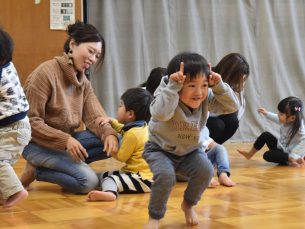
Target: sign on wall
[62,13]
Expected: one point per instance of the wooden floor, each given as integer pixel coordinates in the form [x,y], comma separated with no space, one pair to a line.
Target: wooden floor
[266,196]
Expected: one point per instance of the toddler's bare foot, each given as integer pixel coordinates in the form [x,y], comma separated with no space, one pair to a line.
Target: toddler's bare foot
[101,196]
[15,199]
[28,175]
[246,154]
[225,180]
[152,224]
[214,183]
[190,214]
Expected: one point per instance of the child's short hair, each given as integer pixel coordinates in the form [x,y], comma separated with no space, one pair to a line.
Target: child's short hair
[194,64]
[138,99]
[6,47]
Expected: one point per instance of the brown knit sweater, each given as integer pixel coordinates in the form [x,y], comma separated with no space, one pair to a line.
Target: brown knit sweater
[59,100]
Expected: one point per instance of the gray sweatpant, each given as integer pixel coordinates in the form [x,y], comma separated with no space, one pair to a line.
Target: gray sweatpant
[195,165]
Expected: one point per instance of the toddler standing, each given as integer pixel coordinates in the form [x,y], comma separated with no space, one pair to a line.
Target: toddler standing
[179,113]
[15,129]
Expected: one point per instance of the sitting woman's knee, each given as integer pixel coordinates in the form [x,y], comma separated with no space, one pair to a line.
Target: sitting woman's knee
[87,184]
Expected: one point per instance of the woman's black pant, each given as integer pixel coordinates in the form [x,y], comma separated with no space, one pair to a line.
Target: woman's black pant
[223,127]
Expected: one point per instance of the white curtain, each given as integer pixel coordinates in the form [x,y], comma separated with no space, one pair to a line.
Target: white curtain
[143,34]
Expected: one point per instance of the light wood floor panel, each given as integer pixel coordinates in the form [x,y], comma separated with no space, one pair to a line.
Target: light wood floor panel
[266,196]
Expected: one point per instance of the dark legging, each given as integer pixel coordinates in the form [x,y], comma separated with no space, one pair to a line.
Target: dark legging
[223,127]
[273,154]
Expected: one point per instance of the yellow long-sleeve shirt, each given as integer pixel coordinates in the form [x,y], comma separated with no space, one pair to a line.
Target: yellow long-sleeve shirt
[131,149]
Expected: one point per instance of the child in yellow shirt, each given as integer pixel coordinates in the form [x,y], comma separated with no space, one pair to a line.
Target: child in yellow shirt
[135,177]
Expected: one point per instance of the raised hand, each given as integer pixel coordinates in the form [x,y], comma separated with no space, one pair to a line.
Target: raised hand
[262,110]
[179,76]
[214,78]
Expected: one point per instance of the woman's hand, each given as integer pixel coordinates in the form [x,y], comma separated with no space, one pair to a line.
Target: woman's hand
[102,120]
[111,145]
[212,144]
[214,78]
[76,150]
[179,77]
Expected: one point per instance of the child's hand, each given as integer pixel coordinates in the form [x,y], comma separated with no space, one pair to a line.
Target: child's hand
[212,144]
[111,145]
[301,161]
[102,120]
[262,110]
[214,78]
[179,77]
[296,163]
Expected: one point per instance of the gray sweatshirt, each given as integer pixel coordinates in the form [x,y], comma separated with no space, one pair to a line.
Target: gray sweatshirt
[177,129]
[296,148]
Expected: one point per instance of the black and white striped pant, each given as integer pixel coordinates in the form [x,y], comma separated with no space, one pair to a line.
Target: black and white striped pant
[124,182]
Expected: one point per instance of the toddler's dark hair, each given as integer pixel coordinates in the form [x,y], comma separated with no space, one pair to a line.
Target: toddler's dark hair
[138,100]
[154,79]
[6,47]
[194,64]
[292,106]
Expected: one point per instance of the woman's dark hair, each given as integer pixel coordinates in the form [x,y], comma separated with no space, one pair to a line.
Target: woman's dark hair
[194,64]
[82,33]
[292,106]
[6,47]
[154,79]
[138,99]
[232,68]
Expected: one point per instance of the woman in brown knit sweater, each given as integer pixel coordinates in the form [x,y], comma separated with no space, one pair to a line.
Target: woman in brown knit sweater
[60,98]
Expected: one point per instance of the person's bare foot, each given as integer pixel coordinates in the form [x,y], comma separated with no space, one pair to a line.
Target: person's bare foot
[225,180]
[190,214]
[152,224]
[101,196]
[246,154]
[214,183]
[28,175]
[15,199]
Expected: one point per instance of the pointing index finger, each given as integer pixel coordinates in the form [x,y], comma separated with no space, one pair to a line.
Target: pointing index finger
[182,67]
